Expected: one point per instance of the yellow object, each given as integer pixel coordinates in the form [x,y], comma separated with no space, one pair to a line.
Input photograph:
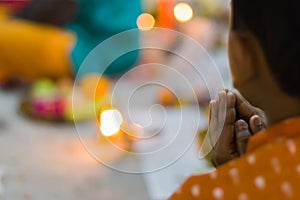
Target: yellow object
[95,86]
[87,98]
[32,50]
[4,10]
[167,98]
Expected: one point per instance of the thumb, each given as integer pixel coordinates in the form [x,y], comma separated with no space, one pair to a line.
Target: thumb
[242,134]
[256,124]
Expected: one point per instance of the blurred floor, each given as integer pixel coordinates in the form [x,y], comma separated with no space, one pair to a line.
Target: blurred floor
[45,161]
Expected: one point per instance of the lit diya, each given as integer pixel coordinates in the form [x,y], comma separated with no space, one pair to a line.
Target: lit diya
[115,129]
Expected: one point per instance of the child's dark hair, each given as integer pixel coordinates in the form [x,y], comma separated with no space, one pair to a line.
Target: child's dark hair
[275,24]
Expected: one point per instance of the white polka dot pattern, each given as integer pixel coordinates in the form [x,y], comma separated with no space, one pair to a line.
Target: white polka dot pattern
[275,164]
[291,146]
[195,190]
[260,182]
[287,189]
[298,169]
[234,174]
[213,175]
[251,159]
[273,169]
[218,193]
[243,196]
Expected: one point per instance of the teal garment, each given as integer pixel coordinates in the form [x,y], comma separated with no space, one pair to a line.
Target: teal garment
[98,20]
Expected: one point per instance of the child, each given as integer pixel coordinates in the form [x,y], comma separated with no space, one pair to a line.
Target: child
[263,53]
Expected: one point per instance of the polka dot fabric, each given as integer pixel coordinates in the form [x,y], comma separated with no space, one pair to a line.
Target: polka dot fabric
[269,170]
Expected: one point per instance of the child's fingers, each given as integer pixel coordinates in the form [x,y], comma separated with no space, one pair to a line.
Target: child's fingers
[225,147]
[243,107]
[231,99]
[256,124]
[222,104]
[230,109]
[242,134]
[245,110]
[213,121]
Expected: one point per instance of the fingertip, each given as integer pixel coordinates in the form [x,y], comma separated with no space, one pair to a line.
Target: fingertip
[256,120]
[242,134]
[238,96]
[256,124]
[231,99]
[222,95]
[212,109]
[241,125]
[212,101]
[222,91]
[214,104]
[230,93]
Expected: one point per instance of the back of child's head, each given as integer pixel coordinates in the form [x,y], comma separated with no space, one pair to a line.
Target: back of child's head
[275,24]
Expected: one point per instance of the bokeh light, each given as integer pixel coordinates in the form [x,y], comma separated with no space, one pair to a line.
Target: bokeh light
[110,122]
[183,12]
[145,22]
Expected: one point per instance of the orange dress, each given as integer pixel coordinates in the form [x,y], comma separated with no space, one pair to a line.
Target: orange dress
[269,170]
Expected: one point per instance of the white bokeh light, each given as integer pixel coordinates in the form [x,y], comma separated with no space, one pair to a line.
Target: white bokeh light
[183,12]
[110,122]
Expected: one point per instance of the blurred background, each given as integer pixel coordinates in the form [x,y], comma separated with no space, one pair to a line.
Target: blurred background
[75,125]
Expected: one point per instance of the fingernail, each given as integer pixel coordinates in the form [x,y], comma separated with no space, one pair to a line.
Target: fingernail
[221,91]
[230,95]
[241,126]
[257,121]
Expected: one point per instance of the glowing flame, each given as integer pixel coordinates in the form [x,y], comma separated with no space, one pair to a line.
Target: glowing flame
[110,122]
[183,12]
[145,22]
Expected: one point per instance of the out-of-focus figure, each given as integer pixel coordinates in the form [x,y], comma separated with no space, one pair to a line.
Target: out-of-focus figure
[51,38]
